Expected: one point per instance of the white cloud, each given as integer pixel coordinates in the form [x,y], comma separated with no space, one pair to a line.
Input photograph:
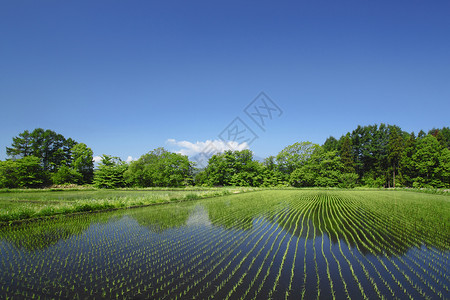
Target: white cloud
[208,146]
[130,159]
[97,159]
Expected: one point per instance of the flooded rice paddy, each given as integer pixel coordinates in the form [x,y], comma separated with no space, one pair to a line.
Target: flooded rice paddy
[293,244]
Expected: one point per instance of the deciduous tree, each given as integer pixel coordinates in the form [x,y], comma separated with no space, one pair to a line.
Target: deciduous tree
[82,161]
[20,173]
[295,156]
[160,168]
[110,172]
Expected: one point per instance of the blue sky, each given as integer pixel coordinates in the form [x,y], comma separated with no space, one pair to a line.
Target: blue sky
[125,77]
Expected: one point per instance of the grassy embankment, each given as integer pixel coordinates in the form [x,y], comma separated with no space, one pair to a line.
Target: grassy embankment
[24,204]
[27,204]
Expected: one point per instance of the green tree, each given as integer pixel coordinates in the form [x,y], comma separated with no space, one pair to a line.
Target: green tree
[370,144]
[443,170]
[442,135]
[395,150]
[367,150]
[331,144]
[272,177]
[201,177]
[83,162]
[421,135]
[21,146]
[426,160]
[65,175]
[348,180]
[233,168]
[270,163]
[48,145]
[160,168]
[110,172]
[328,166]
[324,169]
[51,148]
[407,168]
[295,156]
[346,154]
[21,173]
[303,176]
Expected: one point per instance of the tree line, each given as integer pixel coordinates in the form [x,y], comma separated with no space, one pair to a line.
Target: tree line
[374,156]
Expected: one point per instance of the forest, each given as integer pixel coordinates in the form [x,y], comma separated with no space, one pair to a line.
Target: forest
[370,156]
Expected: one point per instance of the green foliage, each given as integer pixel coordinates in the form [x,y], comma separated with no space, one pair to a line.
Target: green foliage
[67,175]
[200,178]
[110,173]
[431,162]
[370,179]
[324,169]
[21,173]
[395,150]
[233,168]
[302,177]
[381,155]
[160,168]
[21,145]
[346,154]
[331,144]
[442,135]
[348,180]
[295,156]
[242,179]
[328,167]
[272,178]
[443,170]
[82,162]
[407,170]
[370,148]
[54,151]
[270,163]
[50,147]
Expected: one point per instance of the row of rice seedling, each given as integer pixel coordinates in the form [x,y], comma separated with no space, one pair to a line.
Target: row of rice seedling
[206,265]
[408,257]
[322,216]
[222,271]
[212,272]
[282,215]
[300,209]
[303,293]
[292,271]
[316,268]
[254,237]
[296,223]
[402,266]
[194,263]
[362,240]
[338,218]
[328,229]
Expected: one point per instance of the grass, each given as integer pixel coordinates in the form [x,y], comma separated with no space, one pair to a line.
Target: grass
[22,204]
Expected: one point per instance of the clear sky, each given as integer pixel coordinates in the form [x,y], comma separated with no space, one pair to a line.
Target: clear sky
[125,77]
